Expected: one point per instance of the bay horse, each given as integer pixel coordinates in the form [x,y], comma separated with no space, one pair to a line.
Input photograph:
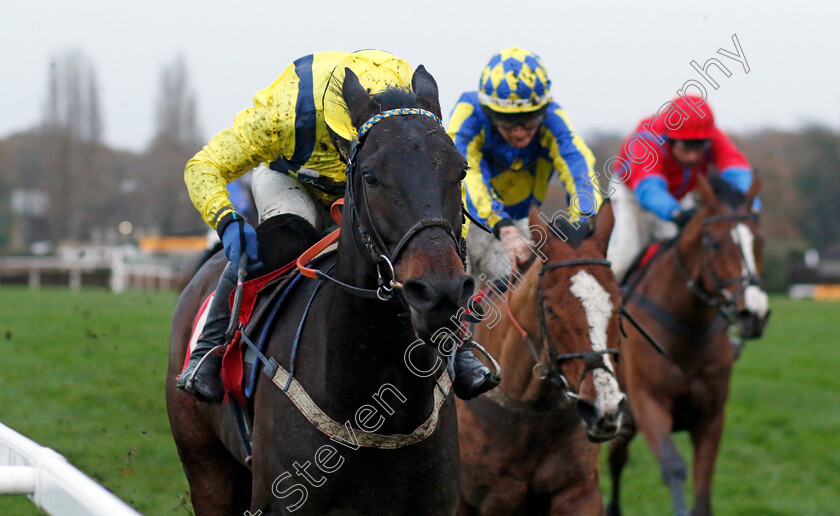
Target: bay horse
[685,300]
[529,446]
[365,426]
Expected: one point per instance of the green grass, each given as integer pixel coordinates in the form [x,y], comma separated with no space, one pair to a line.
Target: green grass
[781,445]
[83,372]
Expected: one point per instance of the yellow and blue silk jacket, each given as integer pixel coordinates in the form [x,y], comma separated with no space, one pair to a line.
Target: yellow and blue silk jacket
[285,130]
[502,181]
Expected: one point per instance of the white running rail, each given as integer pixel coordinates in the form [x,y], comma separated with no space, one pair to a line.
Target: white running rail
[51,482]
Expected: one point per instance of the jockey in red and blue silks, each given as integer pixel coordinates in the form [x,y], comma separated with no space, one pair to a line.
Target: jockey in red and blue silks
[658,166]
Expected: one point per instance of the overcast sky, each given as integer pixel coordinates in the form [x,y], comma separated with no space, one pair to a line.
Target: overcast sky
[610,62]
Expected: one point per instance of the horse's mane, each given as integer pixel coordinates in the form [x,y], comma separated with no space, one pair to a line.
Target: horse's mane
[395,97]
[390,98]
[726,191]
[576,236]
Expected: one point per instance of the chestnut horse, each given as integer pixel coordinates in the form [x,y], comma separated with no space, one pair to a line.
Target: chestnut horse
[365,426]
[529,446]
[685,300]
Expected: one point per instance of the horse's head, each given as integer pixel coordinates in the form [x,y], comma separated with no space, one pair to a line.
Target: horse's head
[404,195]
[579,319]
[721,249]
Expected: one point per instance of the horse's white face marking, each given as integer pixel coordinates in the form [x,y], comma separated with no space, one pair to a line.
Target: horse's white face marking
[598,307]
[755,299]
[742,235]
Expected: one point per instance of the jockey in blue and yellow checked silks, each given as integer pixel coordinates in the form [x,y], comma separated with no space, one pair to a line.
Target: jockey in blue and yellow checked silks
[298,135]
[515,139]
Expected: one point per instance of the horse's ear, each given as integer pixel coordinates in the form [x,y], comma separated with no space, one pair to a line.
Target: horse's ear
[360,103]
[425,87]
[604,222]
[534,217]
[752,191]
[705,191]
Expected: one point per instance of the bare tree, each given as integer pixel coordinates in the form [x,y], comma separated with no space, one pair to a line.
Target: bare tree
[176,107]
[163,204]
[72,104]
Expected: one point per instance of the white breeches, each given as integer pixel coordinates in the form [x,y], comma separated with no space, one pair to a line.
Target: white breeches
[635,228]
[276,193]
[485,254]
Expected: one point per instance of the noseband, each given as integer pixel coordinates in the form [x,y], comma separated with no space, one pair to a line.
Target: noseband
[366,231]
[552,369]
[721,298]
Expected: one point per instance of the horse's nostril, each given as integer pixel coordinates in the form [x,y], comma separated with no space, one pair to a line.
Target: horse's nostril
[419,294]
[430,294]
[588,411]
[467,289]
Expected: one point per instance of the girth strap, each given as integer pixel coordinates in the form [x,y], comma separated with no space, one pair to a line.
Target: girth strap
[344,432]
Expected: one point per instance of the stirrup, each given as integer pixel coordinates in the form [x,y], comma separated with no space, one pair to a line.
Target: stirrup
[187,383]
[495,375]
[488,379]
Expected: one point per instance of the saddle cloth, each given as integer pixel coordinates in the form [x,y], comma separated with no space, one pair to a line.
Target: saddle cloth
[236,360]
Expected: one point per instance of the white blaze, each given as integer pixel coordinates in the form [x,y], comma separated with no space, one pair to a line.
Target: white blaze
[755,299]
[598,307]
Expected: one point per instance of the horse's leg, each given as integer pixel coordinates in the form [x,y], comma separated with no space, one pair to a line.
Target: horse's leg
[655,422]
[466,510]
[618,456]
[507,496]
[582,499]
[218,483]
[706,440]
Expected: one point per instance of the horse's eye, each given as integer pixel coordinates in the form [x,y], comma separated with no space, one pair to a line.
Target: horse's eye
[370,179]
[711,243]
[463,175]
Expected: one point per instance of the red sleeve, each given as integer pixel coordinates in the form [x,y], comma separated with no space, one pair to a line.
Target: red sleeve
[643,156]
[725,154]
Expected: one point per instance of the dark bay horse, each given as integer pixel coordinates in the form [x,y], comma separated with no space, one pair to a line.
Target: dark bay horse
[529,446]
[685,300]
[368,424]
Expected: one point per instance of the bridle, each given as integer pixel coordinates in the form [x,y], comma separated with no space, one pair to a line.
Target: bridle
[551,369]
[722,297]
[366,235]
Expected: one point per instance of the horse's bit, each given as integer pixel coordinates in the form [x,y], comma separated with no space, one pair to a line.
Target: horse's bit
[710,299]
[552,370]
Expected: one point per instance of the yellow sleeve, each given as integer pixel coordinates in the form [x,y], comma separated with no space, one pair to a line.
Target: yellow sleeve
[470,142]
[573,161]
[259,134]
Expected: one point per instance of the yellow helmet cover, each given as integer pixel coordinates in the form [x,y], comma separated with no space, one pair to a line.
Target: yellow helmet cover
[376,70]
[514,81]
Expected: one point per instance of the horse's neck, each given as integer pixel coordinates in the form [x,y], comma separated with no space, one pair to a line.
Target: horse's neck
[366,339]
[667,286]
[516,357]
[359,321]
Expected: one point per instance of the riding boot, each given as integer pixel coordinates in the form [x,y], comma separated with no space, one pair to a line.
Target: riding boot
[201,377]
[471,376]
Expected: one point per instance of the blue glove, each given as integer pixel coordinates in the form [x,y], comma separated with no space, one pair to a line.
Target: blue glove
[236,235]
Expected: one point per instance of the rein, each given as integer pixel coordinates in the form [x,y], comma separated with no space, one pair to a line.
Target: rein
[552,369]
[710,299]
[371,240]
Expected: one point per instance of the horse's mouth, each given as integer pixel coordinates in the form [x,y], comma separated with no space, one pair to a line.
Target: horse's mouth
[751,325]
[435,326]
[603,427]
[604,431]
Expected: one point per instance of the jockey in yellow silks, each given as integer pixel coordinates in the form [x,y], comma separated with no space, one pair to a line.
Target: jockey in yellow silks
[297,134]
